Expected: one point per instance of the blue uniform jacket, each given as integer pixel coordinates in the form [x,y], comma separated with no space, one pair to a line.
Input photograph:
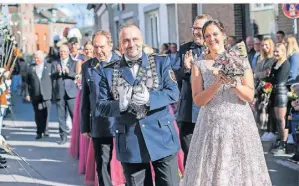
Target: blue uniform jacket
[153,137]
[91,121]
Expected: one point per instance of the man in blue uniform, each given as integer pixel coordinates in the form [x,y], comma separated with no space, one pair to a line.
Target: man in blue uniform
[137,91]
[92,124]
[188,111]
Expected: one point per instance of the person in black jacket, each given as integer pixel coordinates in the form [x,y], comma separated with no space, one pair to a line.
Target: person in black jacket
[38,90]
[278,78]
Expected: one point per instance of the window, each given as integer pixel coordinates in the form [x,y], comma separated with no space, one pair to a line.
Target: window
[260,6]
[45,37]
[152,29]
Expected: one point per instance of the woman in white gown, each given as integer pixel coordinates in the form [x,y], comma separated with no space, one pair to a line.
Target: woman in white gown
[225,149]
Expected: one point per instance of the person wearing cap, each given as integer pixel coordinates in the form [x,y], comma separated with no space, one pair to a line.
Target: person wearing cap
[74,46]
[54,50]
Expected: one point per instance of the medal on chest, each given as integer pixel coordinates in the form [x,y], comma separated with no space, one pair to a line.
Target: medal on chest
[146,75]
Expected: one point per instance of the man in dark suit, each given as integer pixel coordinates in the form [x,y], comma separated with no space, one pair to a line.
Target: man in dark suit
[250,50]
[64,89]
[137,90]
[38,89]
[92,124]
[188,111]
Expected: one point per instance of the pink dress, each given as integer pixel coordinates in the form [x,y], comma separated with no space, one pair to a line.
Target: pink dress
[75,135]
[83,153]
[90,171]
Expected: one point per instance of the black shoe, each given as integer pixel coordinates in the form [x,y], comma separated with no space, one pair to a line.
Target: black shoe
[46,134]
[294,159]
[39,136]
[3,161]
[2,151]
[1,158]
[275,146]
[63,140]
[281,150]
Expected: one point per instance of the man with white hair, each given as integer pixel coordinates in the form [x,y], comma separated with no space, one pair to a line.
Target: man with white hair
[65,89]
[38,90]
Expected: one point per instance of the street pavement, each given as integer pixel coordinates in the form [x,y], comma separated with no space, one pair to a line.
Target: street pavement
[49,158]
[54,163]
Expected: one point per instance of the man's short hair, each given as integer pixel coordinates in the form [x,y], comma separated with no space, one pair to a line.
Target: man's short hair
[203,16]
[126,25]
[103,33]
[174,44]
[234,38]
[281,33]
[39,53]
[256,39]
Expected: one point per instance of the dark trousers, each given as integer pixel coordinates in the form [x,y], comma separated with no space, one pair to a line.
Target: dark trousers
[166,172]
[42,111]
[271,125]
[186,132]
[103,154]
[64,105]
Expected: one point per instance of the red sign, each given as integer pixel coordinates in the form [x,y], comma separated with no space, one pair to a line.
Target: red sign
[291,10]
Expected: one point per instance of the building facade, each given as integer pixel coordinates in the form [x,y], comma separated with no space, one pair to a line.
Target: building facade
[164,23]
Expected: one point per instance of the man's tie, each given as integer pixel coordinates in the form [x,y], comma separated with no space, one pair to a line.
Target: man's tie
[133,62]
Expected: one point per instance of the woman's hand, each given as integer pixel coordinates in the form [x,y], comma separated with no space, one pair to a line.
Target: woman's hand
[220,79]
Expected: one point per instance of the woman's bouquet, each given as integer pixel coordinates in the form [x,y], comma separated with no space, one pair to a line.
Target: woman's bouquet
[78,80]
[267,87]
[292,95]
[233,63]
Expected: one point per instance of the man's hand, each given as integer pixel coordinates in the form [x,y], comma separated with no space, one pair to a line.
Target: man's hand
[66,70]
[189,60]
[141,97]
[59,69]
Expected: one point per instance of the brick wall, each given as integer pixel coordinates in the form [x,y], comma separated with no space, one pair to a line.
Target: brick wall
[42,30]
[223,12]
[185,21]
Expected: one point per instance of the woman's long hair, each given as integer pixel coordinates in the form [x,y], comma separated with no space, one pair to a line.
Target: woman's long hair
[264,55]
[291,45]
[283,49]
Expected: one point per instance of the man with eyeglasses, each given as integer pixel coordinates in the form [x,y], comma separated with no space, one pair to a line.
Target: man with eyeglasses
[188,111]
